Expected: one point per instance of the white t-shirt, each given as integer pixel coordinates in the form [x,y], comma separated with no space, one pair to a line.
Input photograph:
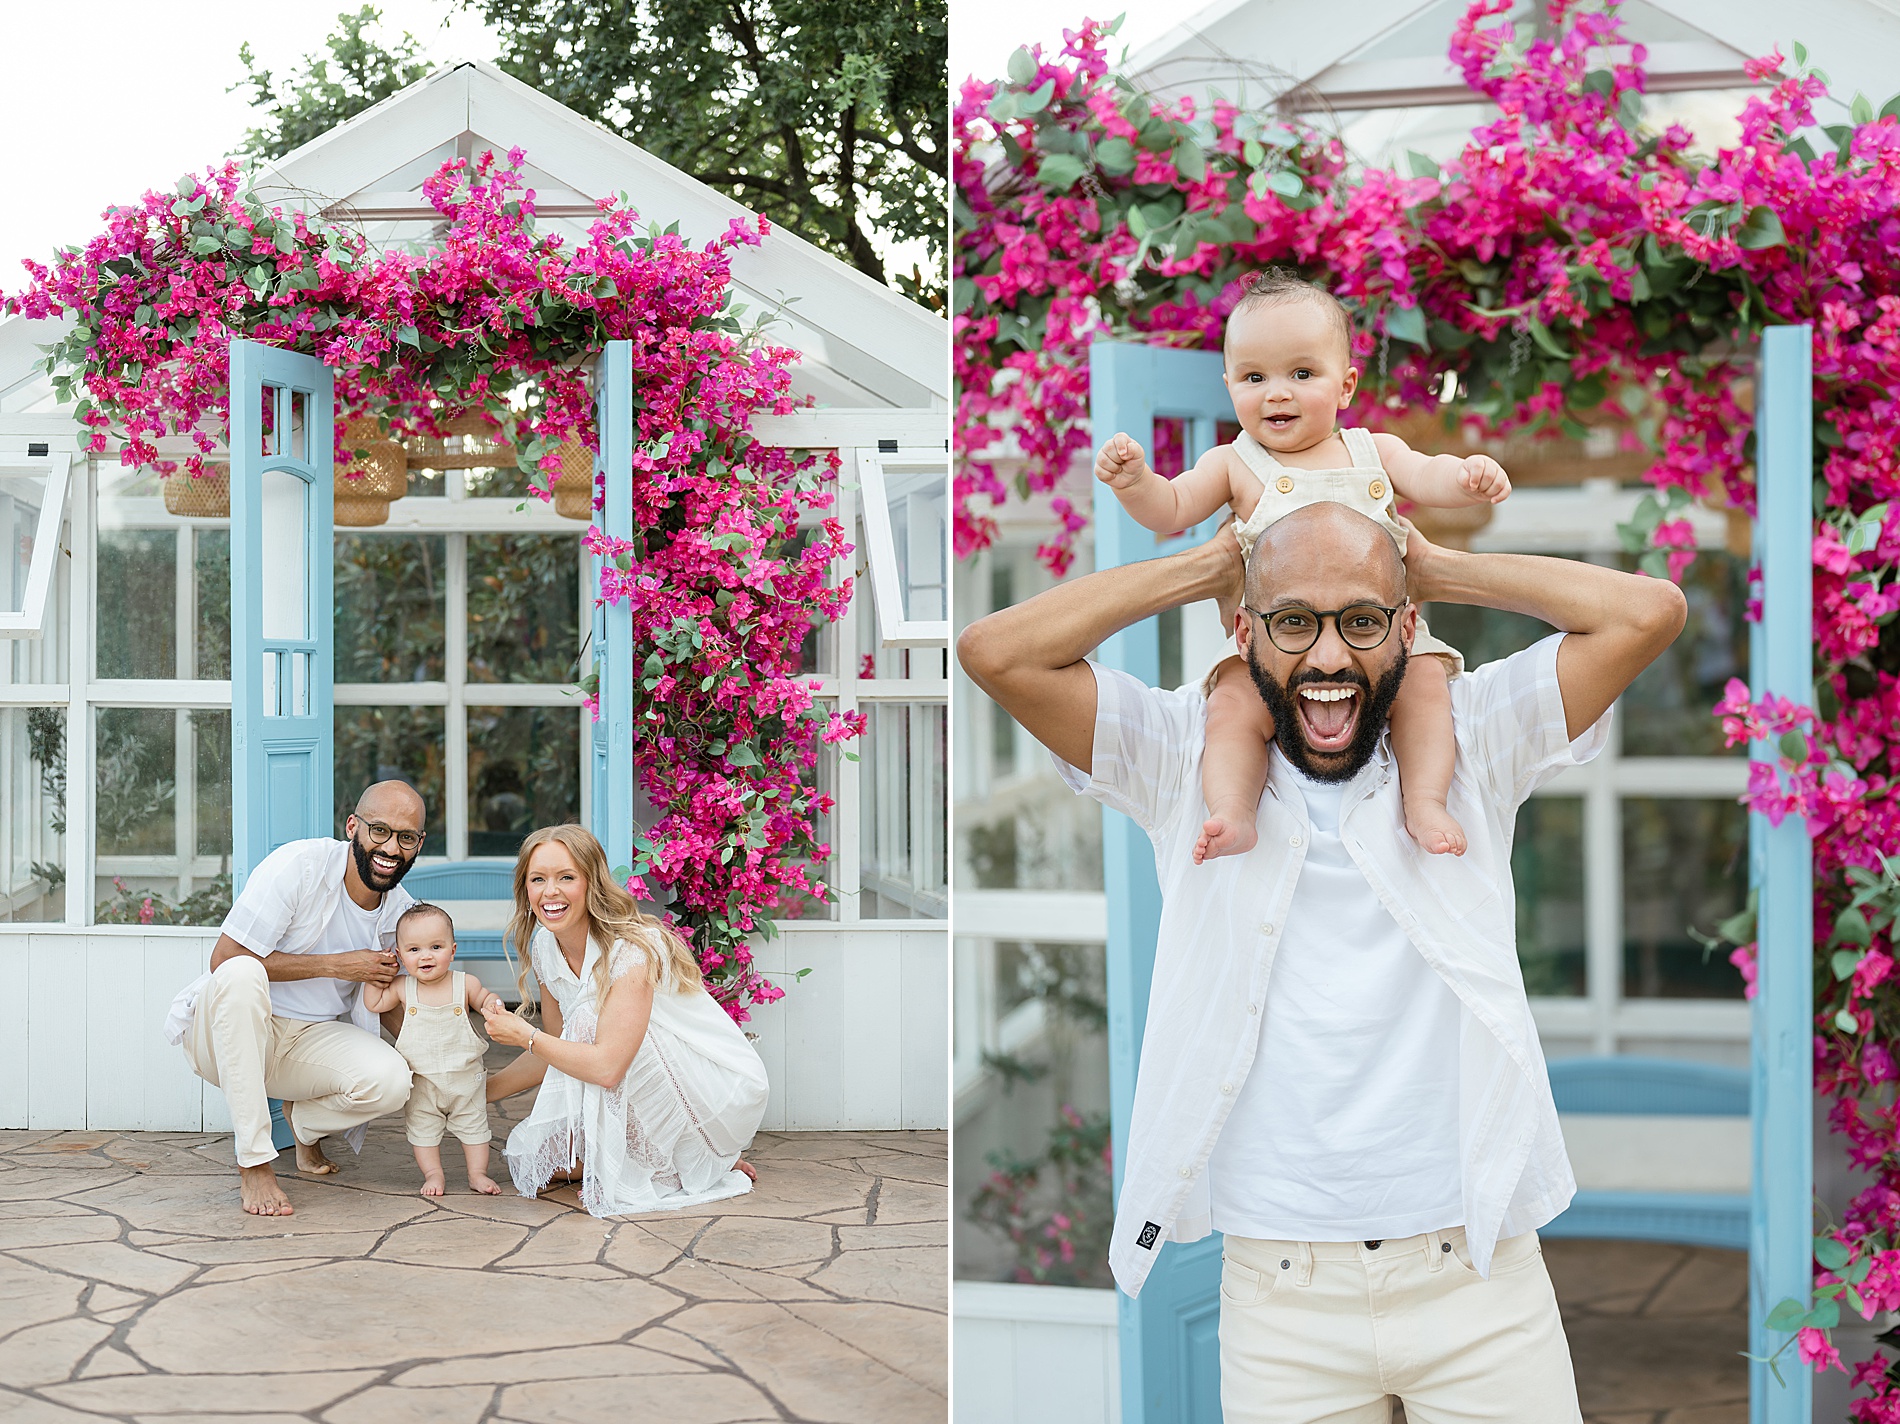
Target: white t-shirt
[1346,1127]
[315,1000]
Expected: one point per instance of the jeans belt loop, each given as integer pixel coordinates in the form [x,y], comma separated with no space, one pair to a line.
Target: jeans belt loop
[1304,1275]
[1435,1249]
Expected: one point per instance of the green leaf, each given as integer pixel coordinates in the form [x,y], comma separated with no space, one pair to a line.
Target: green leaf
[1545,341]
[1286,183]
[1407,324]
[1844,962]
[1115,156]
[1022,68]
[1831,1253]
[1738,929]
[1422,165]
[1865,533]
[1825,1316]
[1888,110]
[1861,111]
[741,755]
[1599,81]
[1059,172]
[1794,746]
[1846,1022]
[1788,1315]
[1137,221]
[1761,228]
[1190,162]
[1629,110]
[1800,53]
[1036,102]
[1850,927]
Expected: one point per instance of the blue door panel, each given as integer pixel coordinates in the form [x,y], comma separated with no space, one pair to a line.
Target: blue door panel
[612,812]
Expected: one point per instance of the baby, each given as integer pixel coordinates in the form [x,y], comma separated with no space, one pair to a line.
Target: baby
[1288,368]
[439,1044]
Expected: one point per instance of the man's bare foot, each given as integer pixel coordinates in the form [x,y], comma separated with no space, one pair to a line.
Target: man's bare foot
[310,1160]
[1434,828]
[260,1194]
[752,1173]
[1228,830]
[478,1183]
[432,1185]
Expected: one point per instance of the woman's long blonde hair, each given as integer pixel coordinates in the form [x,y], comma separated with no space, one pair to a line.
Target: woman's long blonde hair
[612,914]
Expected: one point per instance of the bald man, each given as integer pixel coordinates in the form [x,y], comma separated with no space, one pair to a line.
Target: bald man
[1339,1070]
[266,1022]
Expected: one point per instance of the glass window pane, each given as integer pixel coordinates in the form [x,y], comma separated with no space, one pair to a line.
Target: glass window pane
[43,659]
[211,737]
[1547,870]
[1483,634]
[392,744]
[903,873]
[33,833]
[138,603]
[391,604]
[523,607]
[1666,710]
[136,777]
[1685,865]
[211,565]
[823,776]
[524,772]
[284,517]
[22,496]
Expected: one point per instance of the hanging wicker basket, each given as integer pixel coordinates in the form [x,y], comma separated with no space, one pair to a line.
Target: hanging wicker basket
[477,445]
[574,486]
[206,496]
[373,472]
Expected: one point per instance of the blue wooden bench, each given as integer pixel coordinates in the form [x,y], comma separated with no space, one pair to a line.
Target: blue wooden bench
[1652,1087]
[444,880]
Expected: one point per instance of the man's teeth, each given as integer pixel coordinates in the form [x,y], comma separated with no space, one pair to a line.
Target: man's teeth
[1326,694]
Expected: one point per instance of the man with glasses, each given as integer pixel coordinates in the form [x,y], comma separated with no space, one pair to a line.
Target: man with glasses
[1339,1070]
[315,922]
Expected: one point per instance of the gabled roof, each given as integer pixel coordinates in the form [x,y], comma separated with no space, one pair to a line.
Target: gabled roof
[862,344]
[1393,53]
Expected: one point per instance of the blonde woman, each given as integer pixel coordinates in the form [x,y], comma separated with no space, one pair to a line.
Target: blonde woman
[649,1091]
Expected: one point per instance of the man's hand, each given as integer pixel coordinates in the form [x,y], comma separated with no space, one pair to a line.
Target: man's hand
[1121,464]
[366,966]
[1484,480]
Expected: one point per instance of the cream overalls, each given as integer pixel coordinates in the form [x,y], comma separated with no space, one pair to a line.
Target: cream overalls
[451,1086]
[1362,486]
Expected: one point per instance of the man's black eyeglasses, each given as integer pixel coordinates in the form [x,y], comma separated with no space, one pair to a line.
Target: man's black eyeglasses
[378,833]
[1295,628]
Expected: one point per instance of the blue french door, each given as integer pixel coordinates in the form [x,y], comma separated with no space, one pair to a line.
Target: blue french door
[612,810]
[281,580]
[1170,1354]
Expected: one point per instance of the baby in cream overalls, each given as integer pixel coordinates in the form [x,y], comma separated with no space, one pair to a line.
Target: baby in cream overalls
[1288,367]
[439,1042]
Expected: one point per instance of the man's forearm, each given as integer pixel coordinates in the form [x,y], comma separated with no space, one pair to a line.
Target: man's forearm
[1569,594]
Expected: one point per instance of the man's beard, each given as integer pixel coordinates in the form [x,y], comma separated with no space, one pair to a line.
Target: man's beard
[371,878]
[1290,732]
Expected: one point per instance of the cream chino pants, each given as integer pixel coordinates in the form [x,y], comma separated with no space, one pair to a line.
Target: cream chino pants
[336,1074]
[1324,1332]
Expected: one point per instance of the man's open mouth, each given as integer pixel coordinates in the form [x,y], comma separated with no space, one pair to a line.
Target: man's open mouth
[385,864]
[1329,716]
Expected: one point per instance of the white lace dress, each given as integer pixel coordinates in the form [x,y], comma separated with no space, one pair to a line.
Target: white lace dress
[668,1136]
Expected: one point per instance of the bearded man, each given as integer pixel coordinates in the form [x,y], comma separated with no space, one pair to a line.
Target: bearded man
[302,939]
[1339,1070]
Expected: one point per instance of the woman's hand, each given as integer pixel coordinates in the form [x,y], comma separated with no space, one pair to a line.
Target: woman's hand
[504,1027]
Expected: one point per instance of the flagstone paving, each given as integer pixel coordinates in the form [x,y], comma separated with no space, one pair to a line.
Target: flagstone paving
[132,1288]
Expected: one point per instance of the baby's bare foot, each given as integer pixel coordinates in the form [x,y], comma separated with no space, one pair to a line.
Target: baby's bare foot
[432,1185]
[1434,828]
[1228,830]
[485,1185]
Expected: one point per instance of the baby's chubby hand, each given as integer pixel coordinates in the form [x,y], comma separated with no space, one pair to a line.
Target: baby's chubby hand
[1121,462]
[1484,480]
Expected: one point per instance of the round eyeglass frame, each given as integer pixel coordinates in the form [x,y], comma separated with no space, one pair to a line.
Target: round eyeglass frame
[1320,616]
[370,828]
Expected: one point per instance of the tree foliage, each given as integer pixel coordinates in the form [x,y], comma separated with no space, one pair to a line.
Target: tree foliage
[322,93]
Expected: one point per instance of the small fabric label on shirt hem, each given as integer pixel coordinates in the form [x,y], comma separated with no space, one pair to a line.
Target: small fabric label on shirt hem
[1150,1233]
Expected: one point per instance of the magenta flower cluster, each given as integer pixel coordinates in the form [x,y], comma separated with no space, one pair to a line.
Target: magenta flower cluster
[1572,266]
[500,319]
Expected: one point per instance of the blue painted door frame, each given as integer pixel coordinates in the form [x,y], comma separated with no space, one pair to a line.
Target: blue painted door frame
[1169,1359]
[281,636]
[612,810]
[1781,870]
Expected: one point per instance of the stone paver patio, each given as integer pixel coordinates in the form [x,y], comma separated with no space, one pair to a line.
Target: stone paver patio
[132,1288]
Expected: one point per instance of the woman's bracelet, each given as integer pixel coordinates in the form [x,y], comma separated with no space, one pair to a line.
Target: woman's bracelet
[530,1040]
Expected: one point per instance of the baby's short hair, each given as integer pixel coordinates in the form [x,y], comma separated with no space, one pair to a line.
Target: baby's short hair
[421,910]
[1274,285]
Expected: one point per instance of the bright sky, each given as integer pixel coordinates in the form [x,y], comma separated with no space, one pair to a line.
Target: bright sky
[143,99]
[985,33]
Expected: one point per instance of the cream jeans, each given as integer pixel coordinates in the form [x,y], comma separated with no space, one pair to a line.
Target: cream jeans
[336,1074]
[1324,1332]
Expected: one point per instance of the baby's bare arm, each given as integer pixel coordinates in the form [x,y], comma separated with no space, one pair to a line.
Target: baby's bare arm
[1163,505]
[477,993]
[1441,481]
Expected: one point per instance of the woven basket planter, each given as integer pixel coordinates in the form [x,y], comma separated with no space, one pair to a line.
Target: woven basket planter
[373,472]
[574,486]
[208,496]
[481,447]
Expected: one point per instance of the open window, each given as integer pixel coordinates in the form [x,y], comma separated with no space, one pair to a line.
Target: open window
[906,497]
[32,507]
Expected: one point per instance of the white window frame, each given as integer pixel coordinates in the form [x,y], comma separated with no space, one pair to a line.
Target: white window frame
[56,470]
[899,629]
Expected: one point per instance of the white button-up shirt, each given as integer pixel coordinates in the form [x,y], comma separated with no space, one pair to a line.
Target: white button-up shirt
[1216,945]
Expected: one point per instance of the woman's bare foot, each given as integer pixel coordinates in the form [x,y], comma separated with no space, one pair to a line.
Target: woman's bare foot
[432,1185]
[752,1173]
[485,1185]
[1228,830]
[260,1194]
[310,1160]
[1434,828]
